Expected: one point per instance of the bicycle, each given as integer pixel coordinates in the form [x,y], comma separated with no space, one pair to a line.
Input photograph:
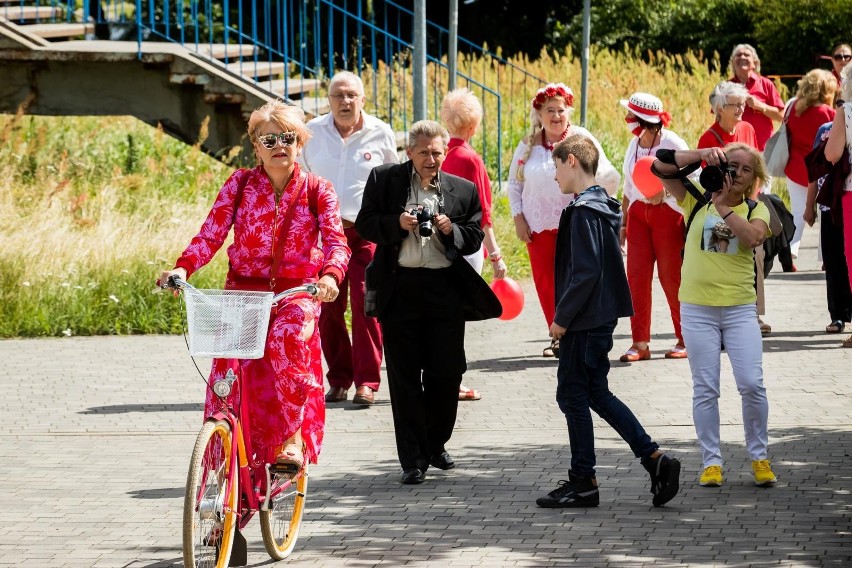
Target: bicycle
[228,482]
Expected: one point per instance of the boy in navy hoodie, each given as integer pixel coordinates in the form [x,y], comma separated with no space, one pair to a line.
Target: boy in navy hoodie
[591,294]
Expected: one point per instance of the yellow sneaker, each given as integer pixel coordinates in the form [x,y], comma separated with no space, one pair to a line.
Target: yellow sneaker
[763,475]
[712,476]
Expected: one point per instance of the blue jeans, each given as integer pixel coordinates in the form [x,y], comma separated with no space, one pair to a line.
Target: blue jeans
[582,386]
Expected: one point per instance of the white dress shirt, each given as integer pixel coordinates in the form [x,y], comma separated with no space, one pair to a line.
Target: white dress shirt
[347,163]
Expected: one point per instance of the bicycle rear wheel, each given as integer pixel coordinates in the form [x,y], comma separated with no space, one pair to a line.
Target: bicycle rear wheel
[280,524]
[210,505]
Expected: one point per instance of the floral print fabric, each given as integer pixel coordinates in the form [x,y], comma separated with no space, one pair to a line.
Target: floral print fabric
[283,390]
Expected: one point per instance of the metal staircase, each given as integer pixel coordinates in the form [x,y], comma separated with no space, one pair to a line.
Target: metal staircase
[198,68]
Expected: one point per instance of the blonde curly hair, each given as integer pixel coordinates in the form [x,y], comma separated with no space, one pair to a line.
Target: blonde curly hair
[816,87]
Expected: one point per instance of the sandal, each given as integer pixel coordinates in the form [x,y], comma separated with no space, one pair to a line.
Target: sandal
[291,457]
[551,350]
[635,354]
[469,394]
[677,352]
[836,326]
[847,342]
[765,328]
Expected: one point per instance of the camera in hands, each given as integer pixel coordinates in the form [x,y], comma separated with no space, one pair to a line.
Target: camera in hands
[424,220]
[712,178]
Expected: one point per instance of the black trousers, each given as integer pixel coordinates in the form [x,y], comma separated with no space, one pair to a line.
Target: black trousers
[837,289]
[423,334]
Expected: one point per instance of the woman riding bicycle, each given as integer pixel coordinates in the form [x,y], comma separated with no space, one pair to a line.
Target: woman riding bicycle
[280,215]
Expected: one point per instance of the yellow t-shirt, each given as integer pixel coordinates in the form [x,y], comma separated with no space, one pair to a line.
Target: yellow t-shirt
[716,270]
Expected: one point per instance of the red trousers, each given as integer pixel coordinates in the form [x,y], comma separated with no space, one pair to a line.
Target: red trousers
[654,234]
[542,251]
[357,361]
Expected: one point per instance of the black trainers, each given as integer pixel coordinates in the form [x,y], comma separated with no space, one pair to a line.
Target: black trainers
[665,475]
[576,492]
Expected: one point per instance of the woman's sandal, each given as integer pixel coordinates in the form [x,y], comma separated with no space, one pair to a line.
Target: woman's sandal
[551,350]
[836,326]
[291,457]
[635,354]
[847,342]
[469,394]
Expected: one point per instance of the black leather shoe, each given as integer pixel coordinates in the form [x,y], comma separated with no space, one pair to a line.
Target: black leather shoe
[442,461]
[413,476]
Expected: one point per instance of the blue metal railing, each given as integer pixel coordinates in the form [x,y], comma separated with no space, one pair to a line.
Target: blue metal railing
[295,45]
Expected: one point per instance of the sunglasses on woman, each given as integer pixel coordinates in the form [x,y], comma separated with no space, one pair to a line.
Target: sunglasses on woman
[269,140]
[842,57]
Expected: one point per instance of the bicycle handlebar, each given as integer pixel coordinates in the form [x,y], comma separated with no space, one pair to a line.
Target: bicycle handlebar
[176,283]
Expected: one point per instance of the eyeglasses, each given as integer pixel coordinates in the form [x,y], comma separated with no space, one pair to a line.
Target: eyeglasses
[735,105]
[339,97]
[842,57]
[269,140]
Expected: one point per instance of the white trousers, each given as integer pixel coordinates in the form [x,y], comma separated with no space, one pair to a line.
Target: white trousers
[705,328]
[798,197]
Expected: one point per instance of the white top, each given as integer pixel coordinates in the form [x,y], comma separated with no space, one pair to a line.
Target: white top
[669,141]
[538,196]
[347,163]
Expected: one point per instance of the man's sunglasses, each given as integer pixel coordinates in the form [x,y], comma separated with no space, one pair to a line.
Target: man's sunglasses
[269,140]
[842,57]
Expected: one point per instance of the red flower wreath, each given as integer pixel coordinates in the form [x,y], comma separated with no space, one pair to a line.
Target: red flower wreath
[550,91]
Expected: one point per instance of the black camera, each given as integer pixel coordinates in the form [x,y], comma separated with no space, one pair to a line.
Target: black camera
[712,178]
[424,220]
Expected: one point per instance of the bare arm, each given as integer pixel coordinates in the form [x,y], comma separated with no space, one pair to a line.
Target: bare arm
[712,156]
[767,110]
[837,137]
[750,233]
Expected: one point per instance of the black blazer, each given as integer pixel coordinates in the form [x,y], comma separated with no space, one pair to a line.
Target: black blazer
[385,196]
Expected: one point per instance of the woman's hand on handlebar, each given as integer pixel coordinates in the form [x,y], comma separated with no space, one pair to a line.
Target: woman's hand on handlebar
[163,280]
[327,286]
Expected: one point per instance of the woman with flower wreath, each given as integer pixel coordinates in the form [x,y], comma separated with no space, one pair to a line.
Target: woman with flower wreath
[652,226]
[534,195]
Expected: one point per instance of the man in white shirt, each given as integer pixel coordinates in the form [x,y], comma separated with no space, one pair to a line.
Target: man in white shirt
[347,144]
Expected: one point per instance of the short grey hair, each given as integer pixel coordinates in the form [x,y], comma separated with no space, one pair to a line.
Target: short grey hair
[347,76]
[428,128]
[719,96]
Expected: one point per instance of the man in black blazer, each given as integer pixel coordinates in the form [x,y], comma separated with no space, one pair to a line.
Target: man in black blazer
[424,221]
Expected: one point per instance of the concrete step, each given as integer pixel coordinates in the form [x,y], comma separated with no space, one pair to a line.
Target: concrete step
[58,30]
[259,69]
[18,13]
[296,86]
[314,106]
[222,51]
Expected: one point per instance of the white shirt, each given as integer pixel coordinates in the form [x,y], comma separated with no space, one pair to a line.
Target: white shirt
[538,196]
[347,163]
[669,141]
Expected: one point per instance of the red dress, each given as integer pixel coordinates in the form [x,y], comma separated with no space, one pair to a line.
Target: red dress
[283,389]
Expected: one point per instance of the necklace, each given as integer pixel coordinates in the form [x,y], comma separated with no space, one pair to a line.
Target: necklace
[549,146]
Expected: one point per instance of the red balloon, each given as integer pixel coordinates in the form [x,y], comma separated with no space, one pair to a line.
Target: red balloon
[645,181]
[510,295]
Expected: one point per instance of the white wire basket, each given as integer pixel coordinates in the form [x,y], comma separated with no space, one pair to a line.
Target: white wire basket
[227,323]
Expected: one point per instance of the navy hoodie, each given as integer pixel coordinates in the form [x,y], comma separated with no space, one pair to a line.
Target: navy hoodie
[591,284]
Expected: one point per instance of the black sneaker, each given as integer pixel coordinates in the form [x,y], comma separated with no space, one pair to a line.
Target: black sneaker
[665,475]
[577,492]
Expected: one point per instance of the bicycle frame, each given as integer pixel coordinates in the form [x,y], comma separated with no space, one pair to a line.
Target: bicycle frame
[256,491]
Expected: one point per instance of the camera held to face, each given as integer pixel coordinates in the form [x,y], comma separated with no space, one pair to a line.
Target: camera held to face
[424,220]
[712,178]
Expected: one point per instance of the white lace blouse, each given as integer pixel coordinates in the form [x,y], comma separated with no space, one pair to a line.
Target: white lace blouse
[538,196]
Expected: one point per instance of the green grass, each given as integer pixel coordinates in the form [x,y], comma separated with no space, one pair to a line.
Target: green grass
[93,209]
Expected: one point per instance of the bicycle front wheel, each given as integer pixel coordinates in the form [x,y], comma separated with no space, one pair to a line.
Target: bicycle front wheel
[280,524]
[210,505]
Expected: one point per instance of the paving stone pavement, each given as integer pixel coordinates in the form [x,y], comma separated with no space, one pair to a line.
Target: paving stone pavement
[98,431]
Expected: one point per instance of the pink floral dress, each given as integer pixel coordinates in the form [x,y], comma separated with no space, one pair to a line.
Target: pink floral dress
[283,389]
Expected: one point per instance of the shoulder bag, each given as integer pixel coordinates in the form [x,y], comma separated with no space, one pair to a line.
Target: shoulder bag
[777,150]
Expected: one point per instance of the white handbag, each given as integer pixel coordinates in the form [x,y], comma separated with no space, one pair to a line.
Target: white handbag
[776,154]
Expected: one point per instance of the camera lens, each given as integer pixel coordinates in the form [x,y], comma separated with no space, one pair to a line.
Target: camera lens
[712,178]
